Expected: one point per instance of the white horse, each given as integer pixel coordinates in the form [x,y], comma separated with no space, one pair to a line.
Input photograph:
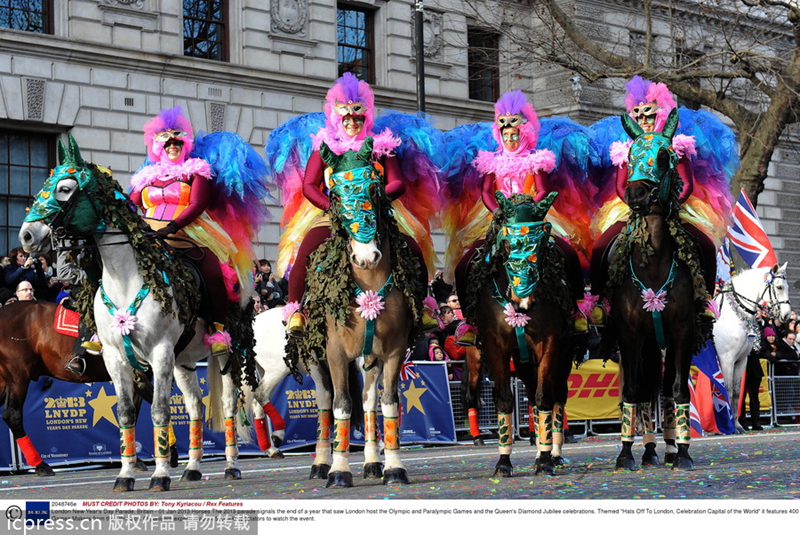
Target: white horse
[735,331]
[82,194]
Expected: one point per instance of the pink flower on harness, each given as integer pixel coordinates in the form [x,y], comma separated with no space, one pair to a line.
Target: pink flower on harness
[514,318]
[217,337]
[370,305]
[124,322]
[654,301]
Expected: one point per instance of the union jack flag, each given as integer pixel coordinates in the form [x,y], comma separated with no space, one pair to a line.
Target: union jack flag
[748,236]
[694,416]
[407,369]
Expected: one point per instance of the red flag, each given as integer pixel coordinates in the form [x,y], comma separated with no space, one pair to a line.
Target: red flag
[748,236]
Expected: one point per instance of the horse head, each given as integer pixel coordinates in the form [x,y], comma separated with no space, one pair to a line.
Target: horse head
[651,165]
[521,238]
[354,185]
[776,293]
[65,205]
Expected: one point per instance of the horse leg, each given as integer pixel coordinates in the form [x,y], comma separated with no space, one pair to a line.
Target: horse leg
[680,389]
[471,395]
[645,413]
[322,458]
[12,415]
[162,386]
[504,401]
[373,469]
[340,474]
[668,412]
[192,398]
[558,433]
[625,459]
[126,417]
[395,472]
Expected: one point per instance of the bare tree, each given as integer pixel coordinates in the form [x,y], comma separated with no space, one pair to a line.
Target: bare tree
[740,58]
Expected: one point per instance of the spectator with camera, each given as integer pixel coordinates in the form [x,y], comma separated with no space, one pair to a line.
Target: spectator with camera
[268,286]
[24,267]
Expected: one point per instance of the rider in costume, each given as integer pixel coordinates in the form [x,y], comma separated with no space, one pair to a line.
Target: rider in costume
[702,213]
[517,166]
[190,198]
[349,122]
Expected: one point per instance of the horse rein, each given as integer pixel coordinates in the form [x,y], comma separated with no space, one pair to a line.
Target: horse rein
[743,301]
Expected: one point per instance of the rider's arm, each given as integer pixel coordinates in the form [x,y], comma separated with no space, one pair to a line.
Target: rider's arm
[487,192]
[622,180]
[395,186]
[199,199]
[687,177]
[542,184]
[312,182]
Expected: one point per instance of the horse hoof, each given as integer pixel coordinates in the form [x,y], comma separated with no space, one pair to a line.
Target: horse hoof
[43,470]
[139,466]
[548,469]
[232,473]
[478,441]
[277,454]
[683,463]
[625,463]
[159,483]
[373,471]
[559,461]
[319,471]
[650,457]
[191,475]
[395,476]
[173,457]
[123,484]
[503,468]
[669,458]
[339,479]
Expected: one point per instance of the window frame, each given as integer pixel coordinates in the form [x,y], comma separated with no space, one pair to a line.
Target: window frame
[483,59]
[223,23]
[369,47]
[47,16]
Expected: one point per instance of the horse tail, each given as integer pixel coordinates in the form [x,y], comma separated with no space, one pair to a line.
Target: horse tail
[215,391]
[245,432]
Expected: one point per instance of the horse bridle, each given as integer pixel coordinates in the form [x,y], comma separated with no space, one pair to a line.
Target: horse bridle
[744,301]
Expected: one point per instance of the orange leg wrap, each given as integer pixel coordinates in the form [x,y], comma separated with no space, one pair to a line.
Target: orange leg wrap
[341,442]
[161,443]
[370,426]
[195,439]
[230,438]
[127,444]
[324,424]
[391,432]
[474,428]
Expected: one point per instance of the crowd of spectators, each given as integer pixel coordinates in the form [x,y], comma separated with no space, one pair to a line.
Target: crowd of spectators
[25,277]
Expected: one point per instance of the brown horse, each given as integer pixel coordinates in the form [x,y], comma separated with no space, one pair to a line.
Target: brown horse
[654,300]
[362,295]
[521,311]
[31,348]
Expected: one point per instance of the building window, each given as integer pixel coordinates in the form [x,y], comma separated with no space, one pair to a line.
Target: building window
[483,56]
[686,59]
[25,163]
[354,34]
[30,16]
[205,29]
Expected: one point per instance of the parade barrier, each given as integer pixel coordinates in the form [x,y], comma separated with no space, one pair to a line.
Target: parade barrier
[75,423]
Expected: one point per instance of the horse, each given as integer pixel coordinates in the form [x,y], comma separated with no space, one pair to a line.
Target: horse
[470,383]
[736,330]
[655,299]
[270,357]
[34,350]
[364,300]
[520,304]
[154,325]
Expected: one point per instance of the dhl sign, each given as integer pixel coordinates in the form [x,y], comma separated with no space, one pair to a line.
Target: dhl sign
[594,391]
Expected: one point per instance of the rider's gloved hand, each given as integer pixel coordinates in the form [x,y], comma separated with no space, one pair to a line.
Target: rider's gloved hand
[164,232]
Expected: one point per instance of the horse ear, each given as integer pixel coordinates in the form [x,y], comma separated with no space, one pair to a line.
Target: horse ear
[631,127]
[62,153]
[544,205]
[75,151]
[330,158]
[366,149]
[502,200]
[672,124]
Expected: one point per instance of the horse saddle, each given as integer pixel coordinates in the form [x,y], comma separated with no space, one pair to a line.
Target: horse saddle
[66,321]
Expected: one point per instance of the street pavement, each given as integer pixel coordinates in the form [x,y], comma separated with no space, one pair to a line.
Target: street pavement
[759,466]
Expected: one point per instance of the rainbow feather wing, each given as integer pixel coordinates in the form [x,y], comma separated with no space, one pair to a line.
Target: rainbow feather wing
[465,218]
[716,162]
[421,159]
[575,156]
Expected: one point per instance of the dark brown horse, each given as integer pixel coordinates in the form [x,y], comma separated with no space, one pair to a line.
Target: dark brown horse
[521,311]
[31,348]
[654,300]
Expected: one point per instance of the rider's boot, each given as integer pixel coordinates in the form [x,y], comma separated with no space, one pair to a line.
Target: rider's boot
[431,316]
[465,334]
[86,344]
[219,341]
[295,319]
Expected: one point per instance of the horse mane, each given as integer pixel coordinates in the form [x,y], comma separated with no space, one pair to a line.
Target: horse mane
[330,283]
[481,273]
[168,280]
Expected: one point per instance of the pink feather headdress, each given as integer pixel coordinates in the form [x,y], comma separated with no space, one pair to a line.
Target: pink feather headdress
[641,91]
[167,119]
[349,89]
[514,103]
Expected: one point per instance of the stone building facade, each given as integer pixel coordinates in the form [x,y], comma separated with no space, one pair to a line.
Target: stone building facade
[99,69]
